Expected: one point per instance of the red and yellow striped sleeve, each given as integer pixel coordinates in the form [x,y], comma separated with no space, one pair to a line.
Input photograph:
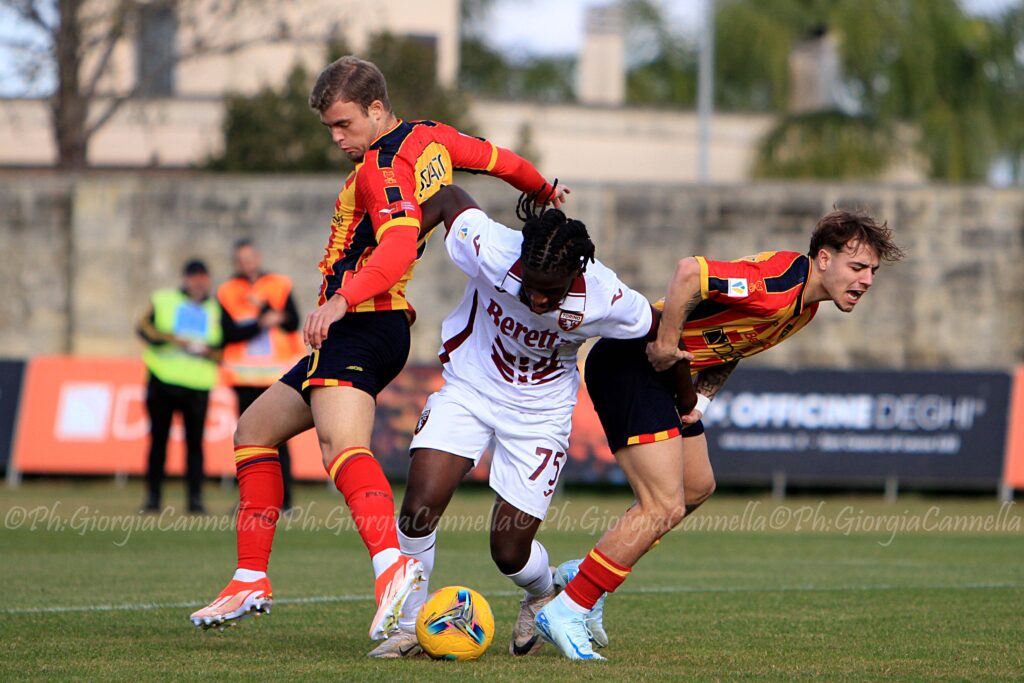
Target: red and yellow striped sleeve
[388,195]
[470,153]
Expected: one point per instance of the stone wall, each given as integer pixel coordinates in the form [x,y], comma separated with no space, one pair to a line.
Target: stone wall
[82,253]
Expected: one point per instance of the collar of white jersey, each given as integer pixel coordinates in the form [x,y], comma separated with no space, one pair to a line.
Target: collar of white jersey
[575,301]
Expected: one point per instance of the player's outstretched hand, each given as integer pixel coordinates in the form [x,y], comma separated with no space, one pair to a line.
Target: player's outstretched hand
[664,356]
[561,196]
[319,321]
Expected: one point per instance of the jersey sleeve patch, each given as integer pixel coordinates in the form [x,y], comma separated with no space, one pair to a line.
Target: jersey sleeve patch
[737,287]
[397,209]
[465,240]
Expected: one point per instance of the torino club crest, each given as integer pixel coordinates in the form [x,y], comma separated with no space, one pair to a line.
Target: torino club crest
[569,321]
[423,421]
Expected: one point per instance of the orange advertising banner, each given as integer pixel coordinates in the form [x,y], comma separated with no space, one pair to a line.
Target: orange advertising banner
[88,416]
[1013,475]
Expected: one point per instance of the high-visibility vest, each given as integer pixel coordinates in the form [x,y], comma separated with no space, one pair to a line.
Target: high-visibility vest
[260,361]
[175,313]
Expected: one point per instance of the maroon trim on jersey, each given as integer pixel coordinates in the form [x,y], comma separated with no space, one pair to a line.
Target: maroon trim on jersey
[652,333]
[576,299]
[457,341]
[448,228]
[515,272]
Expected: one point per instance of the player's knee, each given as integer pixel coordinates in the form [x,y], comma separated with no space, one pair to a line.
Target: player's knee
[330,448]
[665,511]
[247,433]
[674,514]
[699,490]
[508,556]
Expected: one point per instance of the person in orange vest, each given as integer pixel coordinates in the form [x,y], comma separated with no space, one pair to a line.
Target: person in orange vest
[260,333]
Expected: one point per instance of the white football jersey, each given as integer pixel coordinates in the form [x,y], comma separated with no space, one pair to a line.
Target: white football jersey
[493,342]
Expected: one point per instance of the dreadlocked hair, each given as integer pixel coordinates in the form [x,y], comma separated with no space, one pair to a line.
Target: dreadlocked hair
[552,242]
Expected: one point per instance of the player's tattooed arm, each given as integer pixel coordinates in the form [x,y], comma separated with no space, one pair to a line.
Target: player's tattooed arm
[690,305]
[706,386]
[710,380]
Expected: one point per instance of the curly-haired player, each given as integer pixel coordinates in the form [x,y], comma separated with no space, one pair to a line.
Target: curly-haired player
[511,379]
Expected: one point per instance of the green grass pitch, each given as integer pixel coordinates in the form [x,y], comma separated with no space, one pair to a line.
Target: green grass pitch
[834,588]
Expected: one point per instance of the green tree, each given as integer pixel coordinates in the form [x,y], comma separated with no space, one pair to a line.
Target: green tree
[275,131]
[953,78]
[482,69]
[1009,75]
[487,72]
[662,64]
[410,66]
[826,145]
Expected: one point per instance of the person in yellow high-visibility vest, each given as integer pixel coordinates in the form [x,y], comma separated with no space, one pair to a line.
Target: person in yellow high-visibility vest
[184,337]
[261,338]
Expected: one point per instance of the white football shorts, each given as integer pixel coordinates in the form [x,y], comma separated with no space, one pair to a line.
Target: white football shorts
[529,449]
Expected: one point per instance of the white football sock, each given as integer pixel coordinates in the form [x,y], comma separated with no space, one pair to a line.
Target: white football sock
[384,559]
[248,575]
[423,550]
[535,577]
[576,607]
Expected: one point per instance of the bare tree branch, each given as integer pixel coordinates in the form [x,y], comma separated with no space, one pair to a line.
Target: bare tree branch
[112,105]
[109,41]
[29,11]
[80,40]
[23,45]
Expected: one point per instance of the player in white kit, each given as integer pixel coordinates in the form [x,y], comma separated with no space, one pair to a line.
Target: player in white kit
[510,369]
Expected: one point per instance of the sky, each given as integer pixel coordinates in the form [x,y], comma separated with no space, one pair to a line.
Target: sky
[514,25]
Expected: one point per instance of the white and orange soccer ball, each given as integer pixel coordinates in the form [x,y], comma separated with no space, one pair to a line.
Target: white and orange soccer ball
[455,623]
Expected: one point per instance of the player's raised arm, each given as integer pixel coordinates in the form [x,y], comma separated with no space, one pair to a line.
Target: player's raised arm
[445,206]
[684,293]
[478,155]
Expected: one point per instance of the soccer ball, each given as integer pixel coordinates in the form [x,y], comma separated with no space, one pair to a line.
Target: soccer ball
[455,623]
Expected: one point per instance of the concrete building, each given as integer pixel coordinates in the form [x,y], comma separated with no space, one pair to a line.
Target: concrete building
[601,74]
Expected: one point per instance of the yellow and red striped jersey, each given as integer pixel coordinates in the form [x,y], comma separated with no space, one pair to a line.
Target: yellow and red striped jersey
[747,306]
[403,168]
